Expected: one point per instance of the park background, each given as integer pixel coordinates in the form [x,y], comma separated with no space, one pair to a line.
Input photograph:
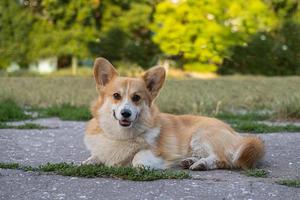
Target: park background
[236,60]
[259,37]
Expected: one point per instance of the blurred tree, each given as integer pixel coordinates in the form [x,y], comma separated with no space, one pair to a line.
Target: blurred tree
[15,27]
[285,9]
[275,52]
[125,33]
[202,31]
[64,28]
[268,53]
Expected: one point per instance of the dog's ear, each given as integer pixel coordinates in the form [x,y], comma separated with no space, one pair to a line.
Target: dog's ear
[154,79]
[104,72]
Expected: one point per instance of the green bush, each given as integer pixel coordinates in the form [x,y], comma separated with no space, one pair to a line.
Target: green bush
[267,53]
[199,67]
[117,45]
[112,45]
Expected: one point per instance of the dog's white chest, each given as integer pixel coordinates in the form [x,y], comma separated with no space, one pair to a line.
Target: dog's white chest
[112,152]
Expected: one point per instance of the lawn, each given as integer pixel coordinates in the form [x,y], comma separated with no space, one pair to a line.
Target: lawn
[278,97]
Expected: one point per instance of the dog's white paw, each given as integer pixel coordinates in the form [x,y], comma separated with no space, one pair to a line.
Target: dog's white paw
[146,158]
[92,160]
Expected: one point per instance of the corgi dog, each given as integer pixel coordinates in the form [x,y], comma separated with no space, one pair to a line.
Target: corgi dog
[127,129]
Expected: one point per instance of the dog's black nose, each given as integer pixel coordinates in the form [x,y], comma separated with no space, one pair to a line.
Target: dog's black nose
[126,113]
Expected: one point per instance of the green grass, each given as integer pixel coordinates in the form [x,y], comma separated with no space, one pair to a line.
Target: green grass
[9,166]
[250,116]
[11,111]
[237,100]
[23,126]
[90,171]
[240,122]
[279,96]
[65,112]
[248,123]
[254,127]
[261,173]
[290,183]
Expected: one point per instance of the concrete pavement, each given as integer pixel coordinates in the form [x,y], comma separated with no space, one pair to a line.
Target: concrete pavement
[64,143]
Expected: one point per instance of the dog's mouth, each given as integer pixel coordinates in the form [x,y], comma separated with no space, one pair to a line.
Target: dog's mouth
[122,122]
[125,122]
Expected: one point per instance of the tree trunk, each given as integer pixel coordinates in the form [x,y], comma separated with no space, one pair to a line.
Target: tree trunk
[74,65]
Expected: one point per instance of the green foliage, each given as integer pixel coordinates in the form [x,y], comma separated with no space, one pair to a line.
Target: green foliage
[125,33]
[90,171]
[23,126]
[15,27]
[249,123]
[202,31]
[113,44]
[64,28]
[198,35]
[66,112]
[276,96]
[9,166]
[10,111]
[254,127]
[261,173]
[200,67]
[251,116]
[268,53]
[128,173]
[290,183]
[285,9]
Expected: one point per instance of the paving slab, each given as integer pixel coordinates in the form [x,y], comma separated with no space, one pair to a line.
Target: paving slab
[63,142]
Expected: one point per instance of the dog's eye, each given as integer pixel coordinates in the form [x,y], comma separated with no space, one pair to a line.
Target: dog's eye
[117,96]
[136,98]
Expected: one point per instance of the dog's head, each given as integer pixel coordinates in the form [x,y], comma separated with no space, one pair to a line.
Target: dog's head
[125,101]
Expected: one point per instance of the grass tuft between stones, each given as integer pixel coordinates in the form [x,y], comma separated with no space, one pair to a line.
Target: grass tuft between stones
[290,182]
[23,126]
[261,173]
[90,171]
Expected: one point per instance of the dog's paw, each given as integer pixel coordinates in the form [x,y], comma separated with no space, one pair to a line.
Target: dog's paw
[186,163]
[200,165]
[91,161]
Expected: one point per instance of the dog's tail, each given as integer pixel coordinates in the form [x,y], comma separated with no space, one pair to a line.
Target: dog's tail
[250,151]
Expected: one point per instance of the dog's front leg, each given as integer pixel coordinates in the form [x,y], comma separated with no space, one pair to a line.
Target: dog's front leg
[146,158]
